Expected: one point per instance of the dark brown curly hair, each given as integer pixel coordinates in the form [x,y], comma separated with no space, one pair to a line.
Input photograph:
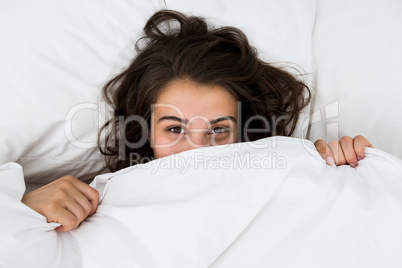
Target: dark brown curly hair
[176,46]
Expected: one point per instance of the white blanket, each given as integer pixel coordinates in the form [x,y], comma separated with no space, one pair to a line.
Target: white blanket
[270,203]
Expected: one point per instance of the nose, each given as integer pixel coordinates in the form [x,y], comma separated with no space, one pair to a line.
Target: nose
[197,140]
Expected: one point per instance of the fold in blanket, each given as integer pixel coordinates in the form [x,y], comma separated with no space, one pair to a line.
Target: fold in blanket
[273,202]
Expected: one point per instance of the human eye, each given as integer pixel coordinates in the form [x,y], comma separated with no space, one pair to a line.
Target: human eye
[176,130]
[219,130]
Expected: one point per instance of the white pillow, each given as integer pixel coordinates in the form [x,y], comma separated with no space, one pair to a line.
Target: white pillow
[357,51]
[55,58]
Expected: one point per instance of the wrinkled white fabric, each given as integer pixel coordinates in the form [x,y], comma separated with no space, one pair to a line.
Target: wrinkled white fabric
[278,205]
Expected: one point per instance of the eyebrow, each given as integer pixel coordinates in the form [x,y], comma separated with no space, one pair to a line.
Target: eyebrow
[185,121]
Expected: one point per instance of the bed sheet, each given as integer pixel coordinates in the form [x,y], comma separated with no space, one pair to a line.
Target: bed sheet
[272,202]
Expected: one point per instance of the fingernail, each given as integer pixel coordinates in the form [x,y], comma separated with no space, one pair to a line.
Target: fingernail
[359,158]
[330,161]
[352,165]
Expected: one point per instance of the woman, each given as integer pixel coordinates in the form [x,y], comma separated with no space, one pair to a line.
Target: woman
[189,86]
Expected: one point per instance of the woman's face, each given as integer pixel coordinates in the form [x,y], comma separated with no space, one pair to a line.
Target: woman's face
[187,115]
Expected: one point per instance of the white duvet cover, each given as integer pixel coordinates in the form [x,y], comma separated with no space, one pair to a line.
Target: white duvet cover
[270,203]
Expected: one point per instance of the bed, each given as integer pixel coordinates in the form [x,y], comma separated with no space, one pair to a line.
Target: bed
[290,210]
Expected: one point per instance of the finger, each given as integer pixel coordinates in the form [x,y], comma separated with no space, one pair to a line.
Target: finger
[61,229]
[346,143]
[324,151]
[360,143]
[77,211]
[67,220]
[82,201]
[91,194]
[337,152]
[71,187]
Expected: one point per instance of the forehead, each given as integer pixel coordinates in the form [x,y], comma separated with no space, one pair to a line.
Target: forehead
[189,99]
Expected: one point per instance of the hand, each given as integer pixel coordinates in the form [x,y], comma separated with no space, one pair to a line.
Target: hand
[347,150]
[67,201]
